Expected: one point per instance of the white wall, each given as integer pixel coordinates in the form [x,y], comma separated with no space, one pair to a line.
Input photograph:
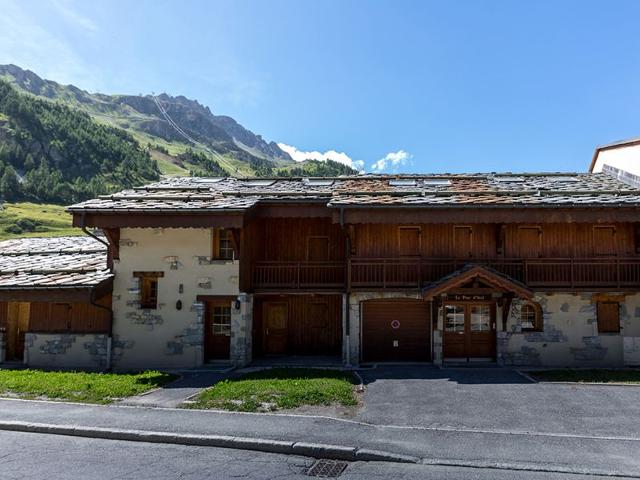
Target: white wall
[622,158]
[166,337]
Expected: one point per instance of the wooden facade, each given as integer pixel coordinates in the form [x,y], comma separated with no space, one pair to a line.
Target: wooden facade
[312,254]
[18,318]
[297,324]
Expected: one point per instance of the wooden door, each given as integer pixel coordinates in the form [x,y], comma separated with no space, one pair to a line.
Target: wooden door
[17,326]
[469,331]
[275,324]
[217,330]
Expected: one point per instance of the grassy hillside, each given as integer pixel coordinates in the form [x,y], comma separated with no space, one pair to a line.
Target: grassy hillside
[35,220]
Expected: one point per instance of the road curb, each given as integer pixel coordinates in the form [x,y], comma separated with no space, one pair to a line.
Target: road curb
[313,450]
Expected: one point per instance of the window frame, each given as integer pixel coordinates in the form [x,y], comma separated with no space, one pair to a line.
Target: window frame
[218,236]
[538,325]
[148,283]
[213,312]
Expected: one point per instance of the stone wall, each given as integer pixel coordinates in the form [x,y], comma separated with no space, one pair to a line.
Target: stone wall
[171,336]
[570,334]
[84,351]
[241,331]
[3,346]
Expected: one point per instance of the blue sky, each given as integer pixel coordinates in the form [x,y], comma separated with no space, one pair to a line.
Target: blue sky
[431,86]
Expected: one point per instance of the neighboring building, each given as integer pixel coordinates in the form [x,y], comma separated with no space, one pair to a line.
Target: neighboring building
[55,302]
[620,159]
[527,269]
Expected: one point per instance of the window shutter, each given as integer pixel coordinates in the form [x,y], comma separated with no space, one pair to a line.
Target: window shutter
[608,317]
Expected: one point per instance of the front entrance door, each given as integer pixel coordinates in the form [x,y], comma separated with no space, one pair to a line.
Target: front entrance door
[275,327]
[17,326]
[470,331]
[218,330]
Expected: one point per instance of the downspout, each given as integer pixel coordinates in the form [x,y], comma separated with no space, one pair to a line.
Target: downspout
[83,226]
[92,299]
[347,256]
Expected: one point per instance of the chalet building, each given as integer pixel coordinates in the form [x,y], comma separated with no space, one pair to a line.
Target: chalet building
[55,302]
[527,269]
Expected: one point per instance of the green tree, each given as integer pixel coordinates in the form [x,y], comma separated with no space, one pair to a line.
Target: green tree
[9,185]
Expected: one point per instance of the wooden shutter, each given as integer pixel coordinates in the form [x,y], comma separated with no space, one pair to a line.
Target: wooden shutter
[608,317]
[409,241]
[318,249]
[529,242]
[604,240]
[462,242]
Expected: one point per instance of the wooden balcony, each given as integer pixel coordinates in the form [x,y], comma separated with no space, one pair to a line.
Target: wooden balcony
[299,275]
[556,273]
[414,273]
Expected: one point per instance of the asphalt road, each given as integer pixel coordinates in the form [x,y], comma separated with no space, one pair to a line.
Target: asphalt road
[37,456]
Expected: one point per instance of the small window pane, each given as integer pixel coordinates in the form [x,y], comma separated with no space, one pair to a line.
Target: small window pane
[221,324]
[528,319]
[454,319]
[480,318]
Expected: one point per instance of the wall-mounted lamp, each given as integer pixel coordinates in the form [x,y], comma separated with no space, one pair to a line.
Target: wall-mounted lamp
[179,305]
[181,288]
[237,304]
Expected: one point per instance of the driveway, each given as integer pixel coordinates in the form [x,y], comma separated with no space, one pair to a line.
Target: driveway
[496,399]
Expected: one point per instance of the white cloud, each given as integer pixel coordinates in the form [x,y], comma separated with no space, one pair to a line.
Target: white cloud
[340,157]
[392,160]
[67,9]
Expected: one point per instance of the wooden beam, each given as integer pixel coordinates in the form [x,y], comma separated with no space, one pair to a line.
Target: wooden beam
[128,219]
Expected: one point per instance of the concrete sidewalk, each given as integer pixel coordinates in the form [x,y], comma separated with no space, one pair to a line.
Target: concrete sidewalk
[175,393]
[446,446]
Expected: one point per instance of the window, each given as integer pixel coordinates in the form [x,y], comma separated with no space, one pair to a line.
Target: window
[608,314]
[222,244]
[148,288]
[402,182]
[454,318]
[604,240]
[409,241]
[221,324]
[531,317]
[435,181]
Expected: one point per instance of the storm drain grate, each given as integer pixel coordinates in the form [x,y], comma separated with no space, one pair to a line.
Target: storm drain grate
[327,468]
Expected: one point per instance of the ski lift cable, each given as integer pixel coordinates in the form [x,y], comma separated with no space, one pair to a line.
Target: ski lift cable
[177,128]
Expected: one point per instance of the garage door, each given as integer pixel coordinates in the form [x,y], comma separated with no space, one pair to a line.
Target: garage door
[396,331]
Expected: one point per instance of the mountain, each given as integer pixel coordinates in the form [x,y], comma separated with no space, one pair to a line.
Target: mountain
[60,143]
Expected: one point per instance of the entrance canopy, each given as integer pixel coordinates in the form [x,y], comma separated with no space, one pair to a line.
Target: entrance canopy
[471,273]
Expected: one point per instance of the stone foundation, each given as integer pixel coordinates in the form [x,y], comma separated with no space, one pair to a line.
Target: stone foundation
[241,331]
[83,351]
[3,347]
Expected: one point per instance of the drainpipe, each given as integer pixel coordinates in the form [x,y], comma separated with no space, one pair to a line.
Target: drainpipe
[83,226]
[92,299]
[345,298]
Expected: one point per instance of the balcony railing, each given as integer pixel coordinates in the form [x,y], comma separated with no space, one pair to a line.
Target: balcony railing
[370,273]
[299,275]
[536,273]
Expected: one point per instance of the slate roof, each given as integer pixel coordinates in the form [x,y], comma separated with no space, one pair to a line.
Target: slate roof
[52,263]
[189,194]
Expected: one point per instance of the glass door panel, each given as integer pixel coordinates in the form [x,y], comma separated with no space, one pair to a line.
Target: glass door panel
[480,318]
[454,319]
